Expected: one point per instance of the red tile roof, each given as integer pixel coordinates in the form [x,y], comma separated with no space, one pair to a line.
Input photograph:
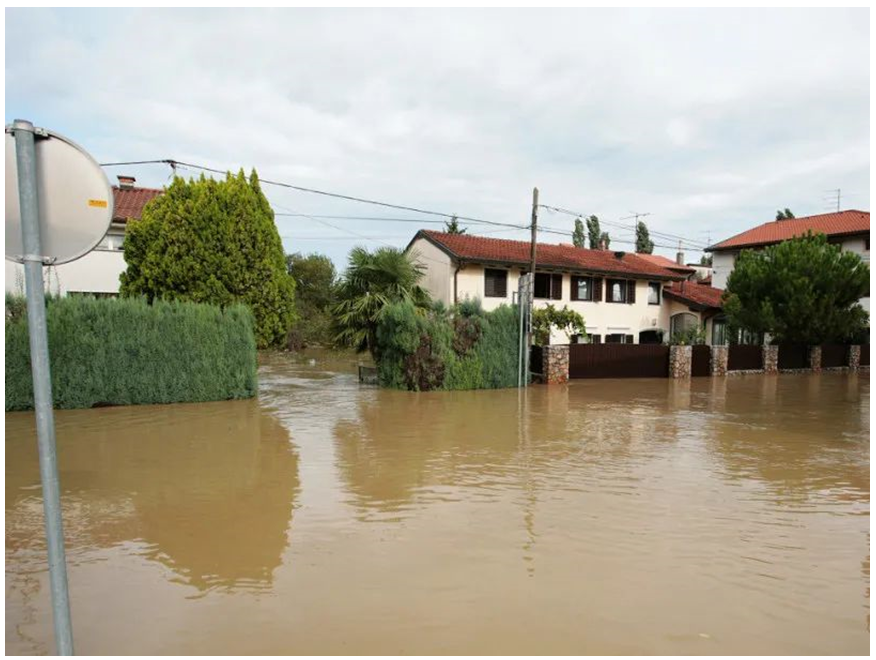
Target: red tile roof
[695,294]
[470,248]
[832,224]
[129,202]
[665,262]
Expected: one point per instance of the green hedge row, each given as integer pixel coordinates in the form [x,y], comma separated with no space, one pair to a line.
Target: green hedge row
[463,348]
[125,351]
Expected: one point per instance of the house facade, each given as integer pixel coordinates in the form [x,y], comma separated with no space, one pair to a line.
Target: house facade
[849,229]
[98,271]
[622,297]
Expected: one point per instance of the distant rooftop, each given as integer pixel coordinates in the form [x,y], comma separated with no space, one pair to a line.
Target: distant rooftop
[842,223]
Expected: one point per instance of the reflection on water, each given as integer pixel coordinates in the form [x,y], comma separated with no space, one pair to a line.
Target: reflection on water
[643,516]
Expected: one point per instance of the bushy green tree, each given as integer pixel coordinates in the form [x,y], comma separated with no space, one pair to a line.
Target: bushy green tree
[372,282]
[644,244]
[706,260]
[579,237]
[314,277]
[216,242]
[801,291]
[544,319]
[784,215]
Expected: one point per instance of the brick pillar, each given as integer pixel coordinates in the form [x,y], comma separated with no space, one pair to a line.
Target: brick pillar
[679,361]
[815,358]
[718,361]
[770,359]
[556,364]
[854,358]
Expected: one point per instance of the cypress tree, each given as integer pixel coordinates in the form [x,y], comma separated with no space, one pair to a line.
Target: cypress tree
[213,241]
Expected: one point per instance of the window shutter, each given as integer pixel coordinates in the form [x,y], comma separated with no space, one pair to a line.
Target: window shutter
[502,284]
[573,284]
[630,339]
[597,290]
[557,287]
[631,292]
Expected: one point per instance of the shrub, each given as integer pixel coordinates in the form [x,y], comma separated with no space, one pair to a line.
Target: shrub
[126,351]
[464,349]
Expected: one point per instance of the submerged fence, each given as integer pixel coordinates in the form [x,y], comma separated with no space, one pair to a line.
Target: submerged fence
[618,361]
[555,364]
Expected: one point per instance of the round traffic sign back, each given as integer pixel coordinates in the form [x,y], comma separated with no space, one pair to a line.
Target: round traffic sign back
[75,199]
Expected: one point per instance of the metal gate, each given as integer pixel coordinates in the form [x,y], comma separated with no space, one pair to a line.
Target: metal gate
[793,356]
[618,361]
[834,355]
[743,357]
[700,361]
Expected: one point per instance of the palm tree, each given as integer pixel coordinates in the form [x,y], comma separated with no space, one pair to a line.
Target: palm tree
[372,281]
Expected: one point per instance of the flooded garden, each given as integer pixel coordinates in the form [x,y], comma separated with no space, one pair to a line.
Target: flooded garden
[710,516]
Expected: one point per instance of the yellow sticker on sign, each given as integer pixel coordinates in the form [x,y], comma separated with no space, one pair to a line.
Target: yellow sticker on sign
[100,203]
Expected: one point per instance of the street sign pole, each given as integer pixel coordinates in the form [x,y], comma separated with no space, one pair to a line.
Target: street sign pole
[33,258]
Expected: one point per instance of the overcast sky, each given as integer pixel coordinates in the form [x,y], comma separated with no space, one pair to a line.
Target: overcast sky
[707,120]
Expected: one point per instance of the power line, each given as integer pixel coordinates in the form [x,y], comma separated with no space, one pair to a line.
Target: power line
[662,234]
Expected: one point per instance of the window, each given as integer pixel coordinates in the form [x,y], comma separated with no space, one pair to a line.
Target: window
[548,286]
[653,293]
[719,331]
[618,339]
[595,339]
[683,322]
[495,283]
[616,292]
[582,288]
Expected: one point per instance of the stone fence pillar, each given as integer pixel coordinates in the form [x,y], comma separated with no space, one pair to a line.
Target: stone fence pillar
[854,358]
[770,359]
[718,360]
[556,364]
[815,358]
[679,361]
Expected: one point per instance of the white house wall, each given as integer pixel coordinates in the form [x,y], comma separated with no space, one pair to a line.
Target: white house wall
[438,278]
[96,272]
[601,318]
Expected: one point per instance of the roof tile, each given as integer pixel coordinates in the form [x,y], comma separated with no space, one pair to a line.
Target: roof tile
[129,202]
[695,293]
[468,247]
[843,222]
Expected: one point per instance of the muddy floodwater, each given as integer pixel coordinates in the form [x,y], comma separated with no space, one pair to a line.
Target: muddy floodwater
[717,516]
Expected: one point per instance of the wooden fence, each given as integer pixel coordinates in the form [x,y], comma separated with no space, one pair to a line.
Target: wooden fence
[793,356]
[741,357]
[701,360]
[618,361]
[834,355]
[865,355]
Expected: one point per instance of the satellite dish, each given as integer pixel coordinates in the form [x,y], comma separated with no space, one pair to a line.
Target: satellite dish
[75,199]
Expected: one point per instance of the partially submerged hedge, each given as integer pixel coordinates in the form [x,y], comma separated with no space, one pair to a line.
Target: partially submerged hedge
[461,349]
[126,351]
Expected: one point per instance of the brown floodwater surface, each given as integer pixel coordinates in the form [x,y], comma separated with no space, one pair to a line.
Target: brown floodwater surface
[716,516]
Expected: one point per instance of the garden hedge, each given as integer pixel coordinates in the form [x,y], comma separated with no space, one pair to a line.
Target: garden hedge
[106,351]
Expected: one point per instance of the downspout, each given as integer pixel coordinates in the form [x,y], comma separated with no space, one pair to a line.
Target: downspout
[458,267]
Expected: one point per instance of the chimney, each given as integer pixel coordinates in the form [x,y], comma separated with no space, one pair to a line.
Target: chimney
[126,182]
[679,258]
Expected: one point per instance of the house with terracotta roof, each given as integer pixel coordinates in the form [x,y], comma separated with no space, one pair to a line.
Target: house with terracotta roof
[97,272]
[622,296]
[849,229]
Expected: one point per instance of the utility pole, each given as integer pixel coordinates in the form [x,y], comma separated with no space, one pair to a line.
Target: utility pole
[525,306]
[534,229]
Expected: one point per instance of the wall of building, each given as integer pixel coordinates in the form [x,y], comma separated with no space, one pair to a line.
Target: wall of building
[602,318]
[96,272]
[438,278]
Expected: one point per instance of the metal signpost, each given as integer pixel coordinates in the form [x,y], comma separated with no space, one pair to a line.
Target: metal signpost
[58,208]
